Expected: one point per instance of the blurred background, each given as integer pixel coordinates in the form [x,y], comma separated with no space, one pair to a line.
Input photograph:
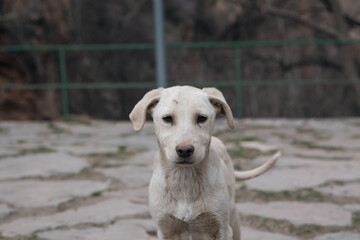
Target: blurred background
[271,58]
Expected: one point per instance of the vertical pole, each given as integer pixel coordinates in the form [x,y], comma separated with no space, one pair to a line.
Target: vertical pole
[238,81]
[160,47]
[64,85]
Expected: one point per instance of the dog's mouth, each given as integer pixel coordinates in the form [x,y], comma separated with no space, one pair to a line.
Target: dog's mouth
[185,162]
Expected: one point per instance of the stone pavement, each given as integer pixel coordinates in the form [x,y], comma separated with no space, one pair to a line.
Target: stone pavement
[88,179]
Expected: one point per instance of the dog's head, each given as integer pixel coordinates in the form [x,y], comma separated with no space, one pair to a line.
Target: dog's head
[183,119]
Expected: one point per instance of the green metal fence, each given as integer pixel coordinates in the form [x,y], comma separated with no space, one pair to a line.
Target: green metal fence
[238,83]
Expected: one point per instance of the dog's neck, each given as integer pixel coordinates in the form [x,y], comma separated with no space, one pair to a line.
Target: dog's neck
[186,182]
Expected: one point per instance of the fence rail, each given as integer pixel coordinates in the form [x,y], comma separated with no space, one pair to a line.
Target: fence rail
[65,85]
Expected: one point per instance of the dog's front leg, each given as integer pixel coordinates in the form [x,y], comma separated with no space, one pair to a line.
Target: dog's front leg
[229,233]
[225,234]
[171,228]
[162,236]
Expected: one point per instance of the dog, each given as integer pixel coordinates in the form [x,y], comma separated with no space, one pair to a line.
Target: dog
[192,189]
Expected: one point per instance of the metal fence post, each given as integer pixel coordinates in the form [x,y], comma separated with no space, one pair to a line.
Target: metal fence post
[160,47]
[64,84]
[238,81]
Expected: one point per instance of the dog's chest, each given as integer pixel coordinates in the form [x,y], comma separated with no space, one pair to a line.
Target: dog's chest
[185,210]
[204,226]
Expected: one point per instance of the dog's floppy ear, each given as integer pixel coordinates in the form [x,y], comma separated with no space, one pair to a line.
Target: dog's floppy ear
[218,101]
[138,114]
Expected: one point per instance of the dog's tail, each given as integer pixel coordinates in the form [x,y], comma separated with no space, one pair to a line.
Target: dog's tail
[243,175]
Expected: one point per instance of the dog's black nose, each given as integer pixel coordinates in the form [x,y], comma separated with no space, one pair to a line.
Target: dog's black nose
[185,151]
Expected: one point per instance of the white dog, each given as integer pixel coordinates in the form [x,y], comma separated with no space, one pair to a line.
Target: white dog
[192,193]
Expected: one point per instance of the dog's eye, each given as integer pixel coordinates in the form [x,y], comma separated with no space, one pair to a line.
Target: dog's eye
[201,119]
[168,119]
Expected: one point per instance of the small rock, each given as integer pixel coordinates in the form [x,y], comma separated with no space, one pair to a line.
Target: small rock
[5,210]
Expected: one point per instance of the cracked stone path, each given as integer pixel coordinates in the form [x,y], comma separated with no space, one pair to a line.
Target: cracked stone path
[87,179]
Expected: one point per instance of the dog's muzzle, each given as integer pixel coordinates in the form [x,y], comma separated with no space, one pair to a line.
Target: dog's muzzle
[185,151]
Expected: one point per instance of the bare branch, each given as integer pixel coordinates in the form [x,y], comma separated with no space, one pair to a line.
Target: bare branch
[24,14]
[295,17]
[134,11]
[327,5]
[339,18]
[351,21]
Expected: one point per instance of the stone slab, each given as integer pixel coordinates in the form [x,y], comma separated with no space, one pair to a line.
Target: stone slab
[262,147]
[35,193]
[352,207]
[7,152]
[102,212]
[346,190]
[311,174]
[5,210]
[344,141]
[98,128]
[115,134]
[131,176]
[23,131]
[86,149]
[122,230]
[136,195]
[141,159]
[44,165]
[253,234]
[76,128]
[322,214]
[339,236]
[310,152]
[139,140]
[286,161]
